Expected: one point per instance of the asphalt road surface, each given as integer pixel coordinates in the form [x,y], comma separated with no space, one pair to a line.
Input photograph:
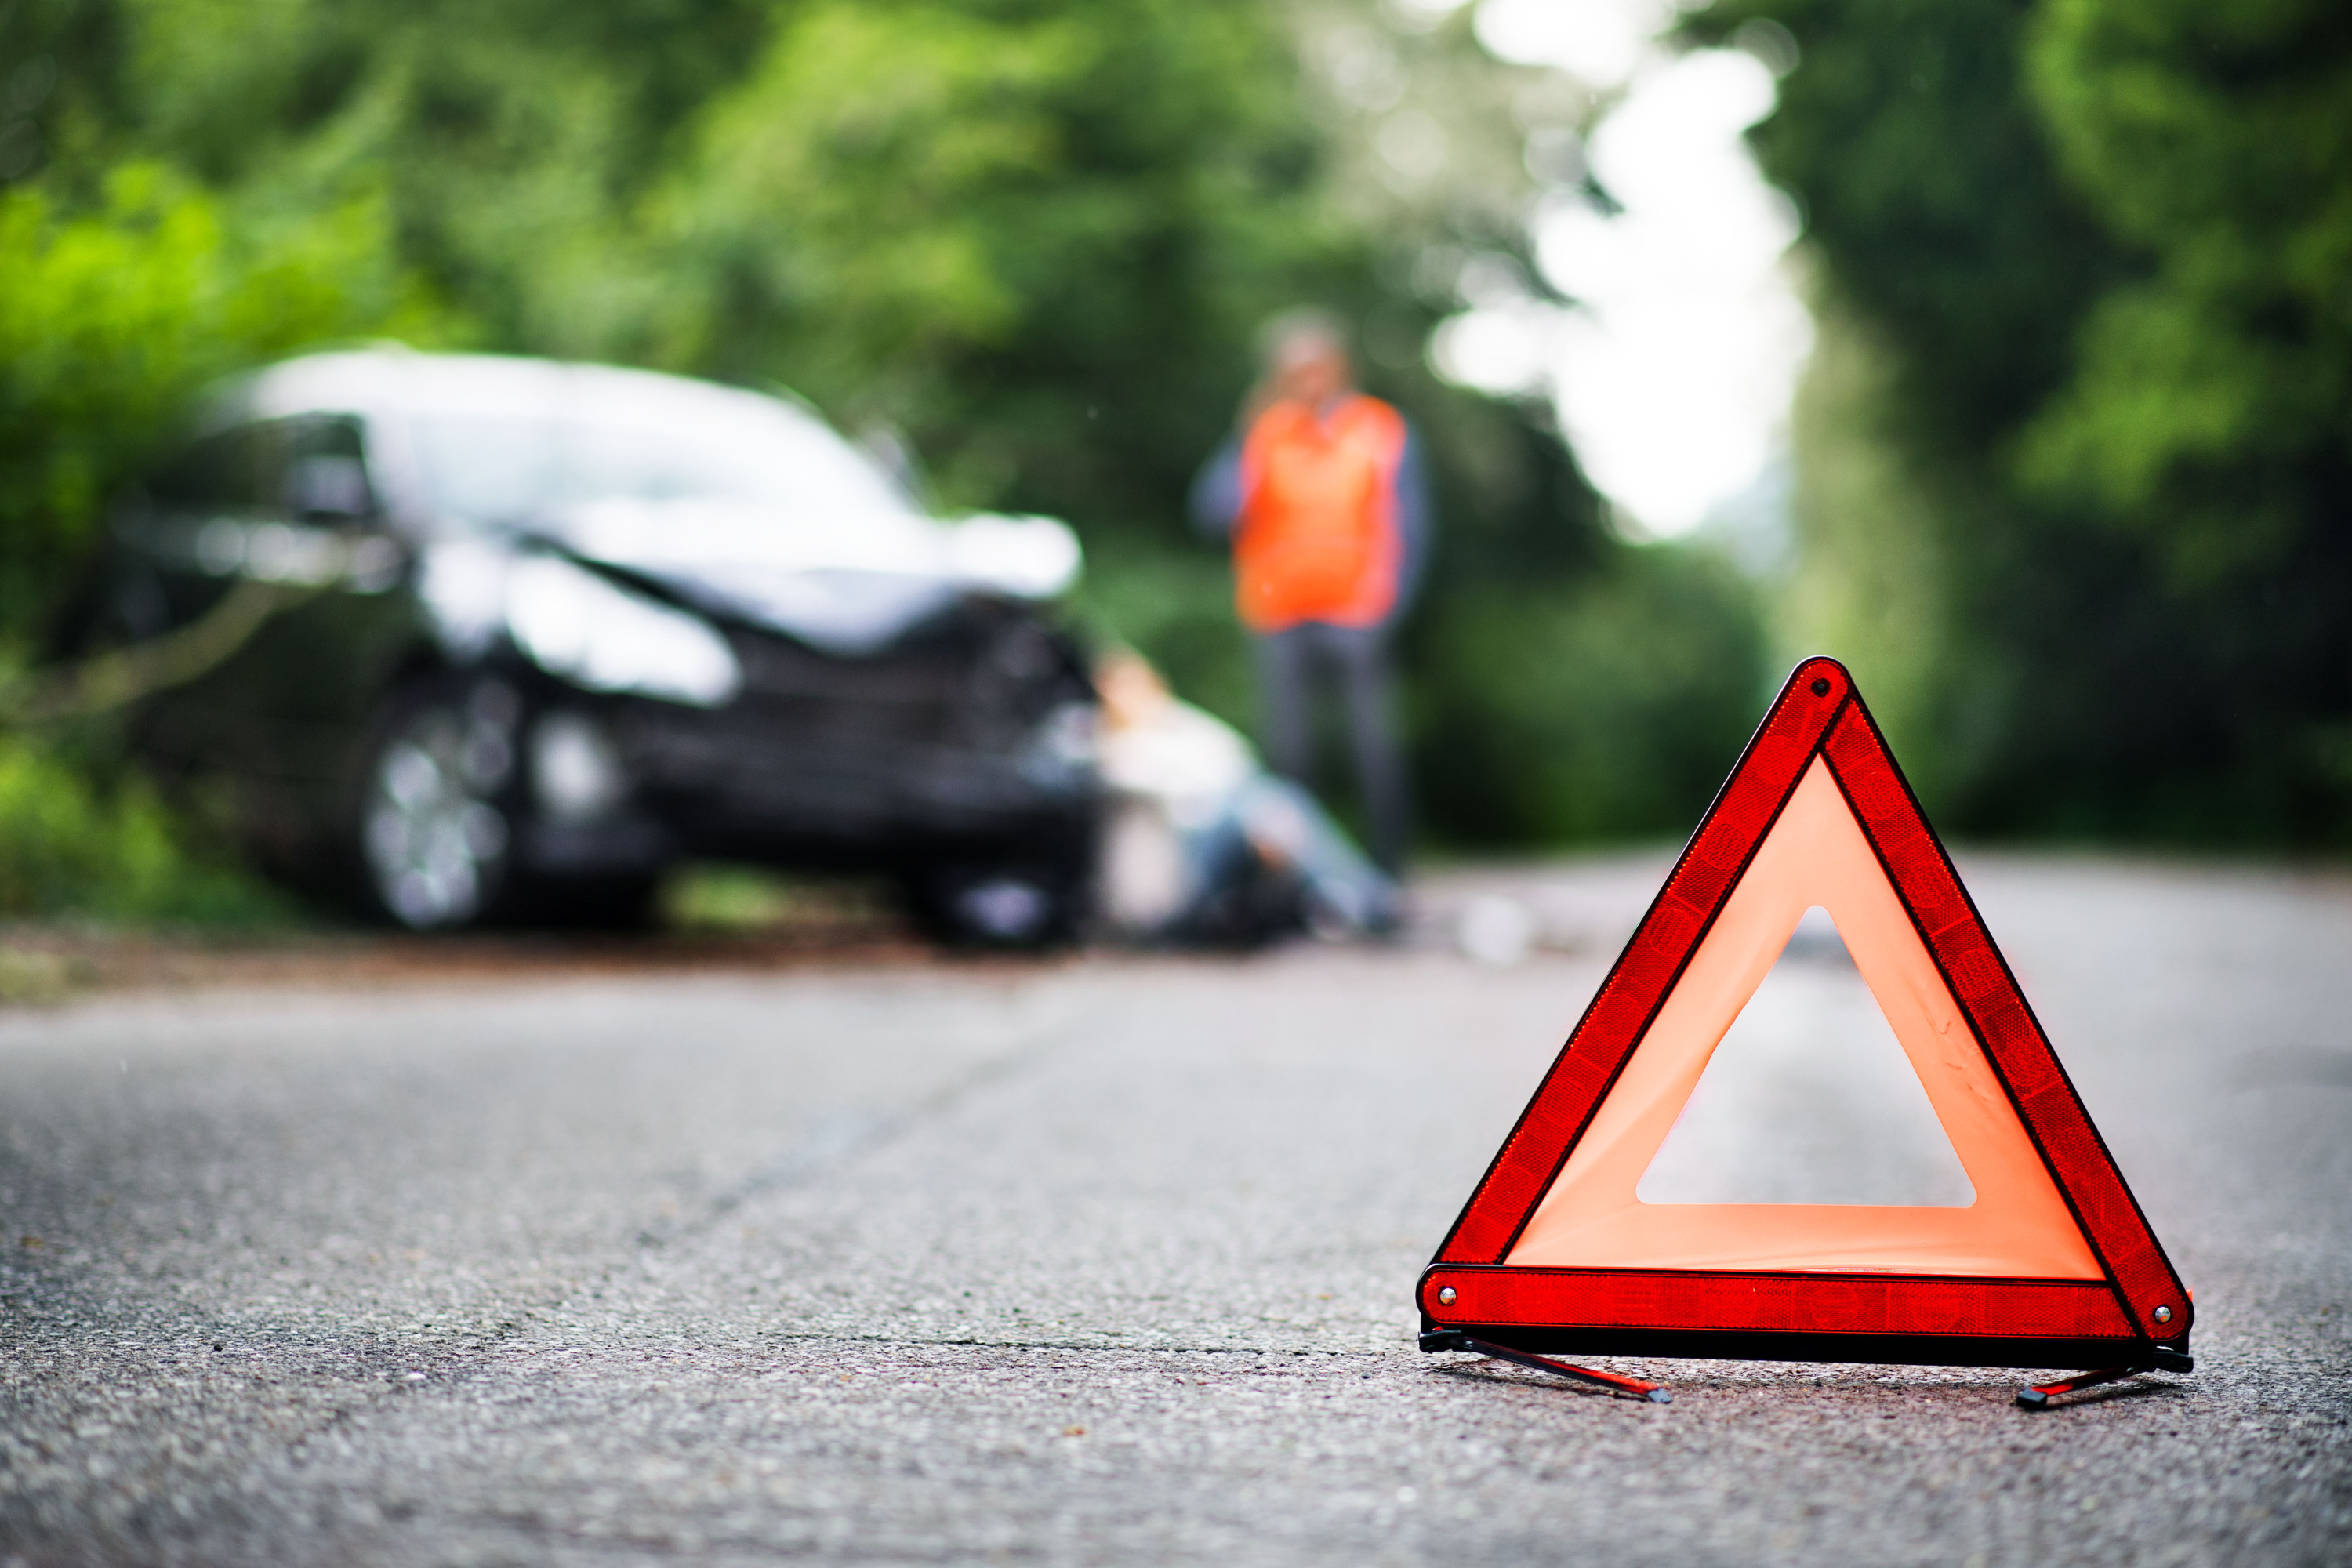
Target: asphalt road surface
[1102,1261]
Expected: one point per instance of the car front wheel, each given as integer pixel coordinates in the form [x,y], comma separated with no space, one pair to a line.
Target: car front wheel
[433,839]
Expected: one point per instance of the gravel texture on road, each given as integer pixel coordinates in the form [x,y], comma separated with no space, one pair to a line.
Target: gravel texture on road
[1100,1261]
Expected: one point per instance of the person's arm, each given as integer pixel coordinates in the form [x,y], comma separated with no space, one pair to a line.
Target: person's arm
[1217,491]
[1412,519]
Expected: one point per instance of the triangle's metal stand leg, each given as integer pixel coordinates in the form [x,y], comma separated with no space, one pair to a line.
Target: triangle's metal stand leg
[1623,1387]
[2160,1359]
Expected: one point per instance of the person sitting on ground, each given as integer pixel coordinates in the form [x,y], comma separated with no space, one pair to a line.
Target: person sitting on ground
[1202,845]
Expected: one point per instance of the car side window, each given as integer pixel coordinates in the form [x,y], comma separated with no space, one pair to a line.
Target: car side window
[218,473]
[311,468]
[320,475]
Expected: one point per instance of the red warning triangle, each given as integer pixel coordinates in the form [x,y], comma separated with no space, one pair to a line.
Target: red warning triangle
[2053,1264]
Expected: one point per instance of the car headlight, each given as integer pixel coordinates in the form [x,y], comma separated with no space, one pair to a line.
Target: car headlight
[1065,749]
[572,623]
[575,770]
[1071,734]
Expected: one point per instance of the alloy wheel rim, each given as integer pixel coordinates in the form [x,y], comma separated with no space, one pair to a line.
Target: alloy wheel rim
[433,842]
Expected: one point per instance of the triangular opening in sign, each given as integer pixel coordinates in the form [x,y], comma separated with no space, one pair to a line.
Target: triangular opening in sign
[1809,1099]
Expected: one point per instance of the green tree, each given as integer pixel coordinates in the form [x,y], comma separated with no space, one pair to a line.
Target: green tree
[2216,382]
[2092,252]
[111,317]
[1034,236]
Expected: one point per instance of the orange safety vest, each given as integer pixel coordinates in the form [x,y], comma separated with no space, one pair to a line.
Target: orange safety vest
[1317,537]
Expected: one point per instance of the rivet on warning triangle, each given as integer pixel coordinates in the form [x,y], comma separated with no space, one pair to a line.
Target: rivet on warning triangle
[2052,1265]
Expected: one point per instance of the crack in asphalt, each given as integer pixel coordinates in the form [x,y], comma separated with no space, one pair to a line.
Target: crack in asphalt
[847,1135]
[912,1343]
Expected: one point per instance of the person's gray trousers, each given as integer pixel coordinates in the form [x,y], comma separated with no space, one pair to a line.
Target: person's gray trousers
[1293,665]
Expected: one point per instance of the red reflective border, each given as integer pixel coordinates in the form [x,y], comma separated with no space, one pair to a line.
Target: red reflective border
[1831,721]
[1652,1299]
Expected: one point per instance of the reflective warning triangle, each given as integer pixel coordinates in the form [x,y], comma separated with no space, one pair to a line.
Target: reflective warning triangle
[2053,1264]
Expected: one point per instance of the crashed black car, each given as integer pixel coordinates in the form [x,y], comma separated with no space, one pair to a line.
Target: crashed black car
[545,629]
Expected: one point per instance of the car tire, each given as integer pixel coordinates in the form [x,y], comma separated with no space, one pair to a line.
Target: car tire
[435,814]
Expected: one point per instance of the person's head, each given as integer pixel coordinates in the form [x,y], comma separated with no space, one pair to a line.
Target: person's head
[1306,358]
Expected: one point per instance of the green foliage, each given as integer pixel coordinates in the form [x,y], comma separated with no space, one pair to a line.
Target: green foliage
[2089,254]
[994,226]
[1613,708]
[2217,141]
[68,846]
[1564,687]
[111,318]
[1035,236]
[1931,202]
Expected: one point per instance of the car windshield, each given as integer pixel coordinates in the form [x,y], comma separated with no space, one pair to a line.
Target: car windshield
[495,467]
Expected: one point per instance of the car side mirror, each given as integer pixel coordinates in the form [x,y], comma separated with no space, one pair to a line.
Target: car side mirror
[327,489]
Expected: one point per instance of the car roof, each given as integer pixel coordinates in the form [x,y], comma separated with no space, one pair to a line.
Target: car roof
[398,381]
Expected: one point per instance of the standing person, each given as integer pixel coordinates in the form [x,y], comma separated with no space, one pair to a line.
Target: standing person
[1321,491]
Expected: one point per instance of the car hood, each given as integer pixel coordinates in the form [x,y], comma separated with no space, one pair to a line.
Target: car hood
[846,587]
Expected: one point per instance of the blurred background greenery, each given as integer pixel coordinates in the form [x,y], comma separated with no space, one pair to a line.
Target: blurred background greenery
[2071,477]
[2075,452]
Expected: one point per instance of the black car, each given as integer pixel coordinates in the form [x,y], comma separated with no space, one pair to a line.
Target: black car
[545,629]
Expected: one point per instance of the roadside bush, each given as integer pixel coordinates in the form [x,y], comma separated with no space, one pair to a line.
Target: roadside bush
[69,847]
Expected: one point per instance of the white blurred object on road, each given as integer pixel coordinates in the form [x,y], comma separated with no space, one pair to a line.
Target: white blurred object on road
[1495,930]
